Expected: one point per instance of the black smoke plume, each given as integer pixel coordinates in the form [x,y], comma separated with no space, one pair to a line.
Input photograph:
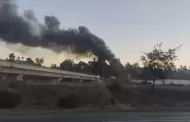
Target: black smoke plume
[26,29]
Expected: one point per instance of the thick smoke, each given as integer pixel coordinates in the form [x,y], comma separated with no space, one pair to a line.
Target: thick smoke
[26,30]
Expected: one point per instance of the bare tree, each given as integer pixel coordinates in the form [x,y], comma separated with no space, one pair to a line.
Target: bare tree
[159,60]
[54,66]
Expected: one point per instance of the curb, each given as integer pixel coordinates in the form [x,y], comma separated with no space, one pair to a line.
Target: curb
[58,112]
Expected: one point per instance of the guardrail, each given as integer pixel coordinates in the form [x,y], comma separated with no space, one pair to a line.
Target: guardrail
[24,69]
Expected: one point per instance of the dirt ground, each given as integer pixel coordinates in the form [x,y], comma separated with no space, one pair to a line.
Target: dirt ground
[49,96]
[165,96]
[133,95]
[137,96]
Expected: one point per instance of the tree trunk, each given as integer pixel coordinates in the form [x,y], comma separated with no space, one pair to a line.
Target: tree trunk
[163,82]
[153,84]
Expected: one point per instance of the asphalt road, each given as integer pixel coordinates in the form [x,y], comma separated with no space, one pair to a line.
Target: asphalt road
[103,117]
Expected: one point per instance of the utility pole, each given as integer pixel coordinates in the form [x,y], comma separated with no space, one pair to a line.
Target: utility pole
[68,55]
[103,72]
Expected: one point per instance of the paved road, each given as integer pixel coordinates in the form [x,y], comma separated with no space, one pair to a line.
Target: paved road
[104,117]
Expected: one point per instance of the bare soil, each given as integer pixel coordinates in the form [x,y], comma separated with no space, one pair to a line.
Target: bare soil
[165,96]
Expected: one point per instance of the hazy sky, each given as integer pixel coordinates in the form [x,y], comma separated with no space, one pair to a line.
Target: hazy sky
[127,26]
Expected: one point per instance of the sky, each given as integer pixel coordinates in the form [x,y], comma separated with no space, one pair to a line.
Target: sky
[127,26]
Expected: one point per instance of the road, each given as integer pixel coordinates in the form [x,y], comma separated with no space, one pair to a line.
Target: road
[103,117]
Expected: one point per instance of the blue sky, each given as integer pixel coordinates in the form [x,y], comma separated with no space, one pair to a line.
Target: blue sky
[127,26]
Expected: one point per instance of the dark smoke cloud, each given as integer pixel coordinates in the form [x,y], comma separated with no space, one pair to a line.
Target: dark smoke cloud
[15,28]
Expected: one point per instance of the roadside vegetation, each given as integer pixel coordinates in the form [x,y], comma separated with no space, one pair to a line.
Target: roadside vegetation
[157,64]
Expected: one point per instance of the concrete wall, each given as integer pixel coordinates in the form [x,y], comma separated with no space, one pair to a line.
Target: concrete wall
[39,85]
[16,68]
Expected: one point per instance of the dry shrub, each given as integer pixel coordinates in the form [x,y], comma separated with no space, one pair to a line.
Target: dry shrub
[115,86]
[71,101]
[9,100]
